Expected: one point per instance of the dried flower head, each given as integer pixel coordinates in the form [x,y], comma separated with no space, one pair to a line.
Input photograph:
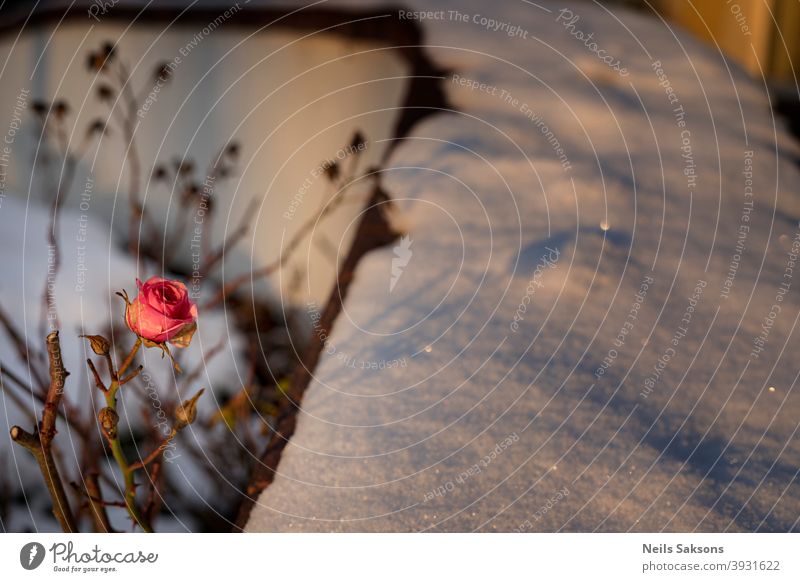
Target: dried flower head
[97,126]
[60,109]
[105,92]
[186,413]
[232,149]
[358,142]
[100,345]
[332,171]
[98,60]
[191,191]
[40,108]
[163,72]
[184,167]
[109,420]
[95,61]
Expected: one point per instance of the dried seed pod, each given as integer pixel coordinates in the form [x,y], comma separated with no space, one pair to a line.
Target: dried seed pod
[163,72]
[332,171]
[186,413]
[100,345]
[40,108]
[60,109]
[109,420]
[358,142]
[98,126]
[185,167]
[108,49]
[105,92]
[232,149]
[97,60]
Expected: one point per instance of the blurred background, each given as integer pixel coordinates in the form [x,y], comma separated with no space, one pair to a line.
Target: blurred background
[773,27]
[287,112]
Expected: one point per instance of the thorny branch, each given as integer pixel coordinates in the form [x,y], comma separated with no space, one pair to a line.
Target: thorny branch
[40,442]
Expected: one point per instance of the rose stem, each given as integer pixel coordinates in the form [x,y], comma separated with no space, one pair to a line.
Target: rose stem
[116,445]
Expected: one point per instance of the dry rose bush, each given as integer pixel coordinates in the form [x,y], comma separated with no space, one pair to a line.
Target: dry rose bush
[161,315]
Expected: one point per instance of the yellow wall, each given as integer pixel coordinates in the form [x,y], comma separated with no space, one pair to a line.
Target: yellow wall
[788,17]
[746,30]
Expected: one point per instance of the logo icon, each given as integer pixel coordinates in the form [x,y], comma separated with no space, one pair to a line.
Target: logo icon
[31,555]
[402,255]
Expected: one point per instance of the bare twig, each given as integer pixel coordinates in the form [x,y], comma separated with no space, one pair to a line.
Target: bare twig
[49,310]
[128,359]
[97,380]
[327,206]
[202,365]
[131,376]
[64,413]
[162,446]
[47,466]
[97,507]
[22,348]
[58,376]
[212,258]
[154,499]
[16,398]
[234,284]
[40,443]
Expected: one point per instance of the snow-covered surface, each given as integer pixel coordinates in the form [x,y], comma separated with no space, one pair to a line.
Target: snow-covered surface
[485,426]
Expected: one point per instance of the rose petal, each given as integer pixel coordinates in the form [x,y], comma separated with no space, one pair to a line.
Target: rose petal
[183,338]
[149,323]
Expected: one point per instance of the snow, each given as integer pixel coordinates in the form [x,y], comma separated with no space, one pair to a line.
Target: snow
[487,428]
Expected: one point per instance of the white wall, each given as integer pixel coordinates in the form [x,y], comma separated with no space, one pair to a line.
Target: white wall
[269,91]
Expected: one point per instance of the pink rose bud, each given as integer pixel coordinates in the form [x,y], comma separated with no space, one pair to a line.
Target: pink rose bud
[162,312]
